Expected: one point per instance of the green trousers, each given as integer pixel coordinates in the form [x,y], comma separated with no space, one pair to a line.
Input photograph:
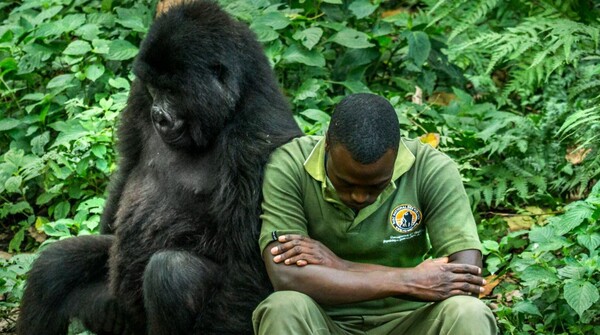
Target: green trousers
[289,313]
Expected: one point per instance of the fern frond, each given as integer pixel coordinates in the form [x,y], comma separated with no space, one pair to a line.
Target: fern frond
[582,87]
[471,17]
[500,191]
[454,5]
[578,119]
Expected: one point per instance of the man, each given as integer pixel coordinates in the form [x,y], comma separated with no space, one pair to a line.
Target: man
[347,222]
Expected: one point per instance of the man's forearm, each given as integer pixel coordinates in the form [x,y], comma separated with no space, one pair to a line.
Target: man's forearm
[330,280]
[334,286]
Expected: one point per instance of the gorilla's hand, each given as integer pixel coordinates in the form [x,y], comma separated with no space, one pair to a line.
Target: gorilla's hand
[302,250]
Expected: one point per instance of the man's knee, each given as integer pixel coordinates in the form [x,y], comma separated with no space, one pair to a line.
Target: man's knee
[289,312]
[464,312]
[286,302]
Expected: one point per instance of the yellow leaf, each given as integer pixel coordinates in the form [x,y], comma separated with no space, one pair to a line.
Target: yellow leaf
[576,156]
[432,139]
[441,98]
[519,222]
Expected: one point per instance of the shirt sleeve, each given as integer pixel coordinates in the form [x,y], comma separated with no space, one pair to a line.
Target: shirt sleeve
[447,212]
[282,205]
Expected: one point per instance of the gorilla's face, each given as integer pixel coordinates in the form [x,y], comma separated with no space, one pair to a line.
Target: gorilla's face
[193,114]
[194,82]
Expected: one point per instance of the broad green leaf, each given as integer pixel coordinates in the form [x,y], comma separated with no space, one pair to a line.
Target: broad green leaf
[490,245]
[89,31]
[572,272]
[493,264]
[58,228]
[61,81]
[93,205]
[335,2]
[362,8]
[119,83]
[298,54]
[20,207]
[44,198]
[68,132]
[527,308]
[33,97]
[121,50]
[352,38]
[574,216]
[308,89]
[135,18]
[38,143]
[316,115]
[356,86]
[419,47]
[47,14]
[589,241]
[536,273]
[61,210]
[309,37]
[133,22]
[71,22]
[264,33]
[546,238]
[580,295]
[78,47]
[15,157]
[99,150]
[49,29]
[8,124]
[15,242]
[275,20]
[13,184]
[101,46]
[94,71]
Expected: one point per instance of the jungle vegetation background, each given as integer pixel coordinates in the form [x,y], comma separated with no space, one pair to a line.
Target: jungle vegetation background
[509,89]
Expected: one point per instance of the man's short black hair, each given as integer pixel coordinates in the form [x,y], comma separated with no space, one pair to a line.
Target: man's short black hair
[366,125]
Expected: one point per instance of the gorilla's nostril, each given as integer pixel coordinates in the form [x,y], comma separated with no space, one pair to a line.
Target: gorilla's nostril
[162,118]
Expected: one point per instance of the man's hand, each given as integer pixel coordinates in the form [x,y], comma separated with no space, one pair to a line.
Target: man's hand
[436,279]
[302,250]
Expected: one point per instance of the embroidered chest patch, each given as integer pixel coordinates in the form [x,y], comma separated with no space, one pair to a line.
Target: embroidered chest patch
[405,218]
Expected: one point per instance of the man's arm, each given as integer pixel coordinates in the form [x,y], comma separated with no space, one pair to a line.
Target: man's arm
[331,280]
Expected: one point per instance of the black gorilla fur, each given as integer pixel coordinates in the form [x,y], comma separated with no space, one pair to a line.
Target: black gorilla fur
[179,252]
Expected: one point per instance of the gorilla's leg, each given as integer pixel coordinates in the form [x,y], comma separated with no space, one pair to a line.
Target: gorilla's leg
[177,285]
[69,280]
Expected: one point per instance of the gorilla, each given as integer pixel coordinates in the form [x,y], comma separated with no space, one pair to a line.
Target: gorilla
[178,253]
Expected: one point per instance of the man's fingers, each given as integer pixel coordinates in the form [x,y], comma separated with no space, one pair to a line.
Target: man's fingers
[289,250]
[469,278]
[291,237]
[463,268]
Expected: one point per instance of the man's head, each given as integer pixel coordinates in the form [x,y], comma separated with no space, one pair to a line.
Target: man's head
[362,143]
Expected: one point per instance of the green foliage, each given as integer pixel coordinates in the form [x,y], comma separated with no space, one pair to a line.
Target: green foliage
[557,275]
[65,76]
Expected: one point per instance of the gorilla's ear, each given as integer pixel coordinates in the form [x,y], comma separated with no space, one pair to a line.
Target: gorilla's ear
[220,71]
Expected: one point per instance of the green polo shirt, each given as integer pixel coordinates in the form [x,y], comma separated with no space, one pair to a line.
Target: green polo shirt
[424,206]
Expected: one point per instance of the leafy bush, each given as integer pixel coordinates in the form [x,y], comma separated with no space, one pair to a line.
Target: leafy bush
[65,76]
[553,283]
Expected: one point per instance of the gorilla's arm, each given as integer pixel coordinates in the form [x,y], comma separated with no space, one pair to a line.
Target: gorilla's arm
[129,147]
